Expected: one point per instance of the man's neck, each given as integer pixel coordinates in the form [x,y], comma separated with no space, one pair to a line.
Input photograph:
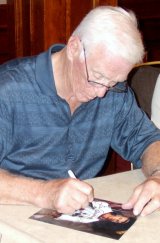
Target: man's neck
[63,79]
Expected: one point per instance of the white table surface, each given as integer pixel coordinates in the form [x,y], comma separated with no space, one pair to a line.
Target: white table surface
[15,225]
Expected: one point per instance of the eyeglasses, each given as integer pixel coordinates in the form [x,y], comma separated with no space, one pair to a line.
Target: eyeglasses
[122,87]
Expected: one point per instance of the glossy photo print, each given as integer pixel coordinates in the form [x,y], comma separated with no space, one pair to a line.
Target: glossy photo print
[102,217]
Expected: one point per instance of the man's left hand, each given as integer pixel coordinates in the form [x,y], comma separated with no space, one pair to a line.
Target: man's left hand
[146,197]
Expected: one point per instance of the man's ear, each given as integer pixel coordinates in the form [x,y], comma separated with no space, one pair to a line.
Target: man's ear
[74,47]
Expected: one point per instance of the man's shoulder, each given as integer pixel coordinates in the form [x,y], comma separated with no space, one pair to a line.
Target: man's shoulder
[16,63]
[16,70]
[16,75]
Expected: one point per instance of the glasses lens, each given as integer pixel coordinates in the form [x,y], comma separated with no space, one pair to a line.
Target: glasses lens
[119,87]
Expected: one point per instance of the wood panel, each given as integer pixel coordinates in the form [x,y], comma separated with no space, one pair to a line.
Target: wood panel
[4,40]
[15,27]
[55,22]
[77,12]
[105,2]
[36,24]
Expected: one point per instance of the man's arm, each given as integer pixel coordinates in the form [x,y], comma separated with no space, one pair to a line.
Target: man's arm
[64,195]
[146,197]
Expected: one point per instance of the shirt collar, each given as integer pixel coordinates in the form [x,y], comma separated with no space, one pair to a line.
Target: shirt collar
[44,70]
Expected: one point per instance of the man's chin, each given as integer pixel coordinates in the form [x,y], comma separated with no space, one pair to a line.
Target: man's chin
[87,99]
[101,96]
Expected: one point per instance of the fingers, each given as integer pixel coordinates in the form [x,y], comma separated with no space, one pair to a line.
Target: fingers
[149,200]
[145,199]
[133,199]
[152,206]
[83,194]
[85,188]
[71,195]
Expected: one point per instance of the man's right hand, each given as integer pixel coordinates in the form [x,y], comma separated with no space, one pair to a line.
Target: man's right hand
[64,195]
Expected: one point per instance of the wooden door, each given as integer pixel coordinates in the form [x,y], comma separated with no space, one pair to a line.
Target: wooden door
[37,24]
[4,34]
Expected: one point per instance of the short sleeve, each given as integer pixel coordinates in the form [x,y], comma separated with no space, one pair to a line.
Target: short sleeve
[5,130]
[133,131]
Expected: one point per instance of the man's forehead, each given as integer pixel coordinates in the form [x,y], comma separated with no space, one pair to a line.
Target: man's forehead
[112,67]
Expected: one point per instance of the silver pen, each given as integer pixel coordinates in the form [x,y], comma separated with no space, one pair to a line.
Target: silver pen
[72,175]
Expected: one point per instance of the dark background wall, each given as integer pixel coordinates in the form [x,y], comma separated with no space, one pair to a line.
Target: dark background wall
[148,13]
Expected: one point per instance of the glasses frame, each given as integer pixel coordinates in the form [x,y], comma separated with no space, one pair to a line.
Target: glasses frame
[112,89]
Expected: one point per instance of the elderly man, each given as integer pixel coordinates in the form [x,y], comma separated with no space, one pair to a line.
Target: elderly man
[64,108]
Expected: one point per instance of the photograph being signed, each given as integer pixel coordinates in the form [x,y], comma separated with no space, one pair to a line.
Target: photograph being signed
[101,217]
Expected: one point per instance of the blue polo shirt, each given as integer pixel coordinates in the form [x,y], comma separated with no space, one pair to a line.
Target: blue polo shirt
[40,138]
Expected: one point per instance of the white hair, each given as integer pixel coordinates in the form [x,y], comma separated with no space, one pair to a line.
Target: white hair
[116,29]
